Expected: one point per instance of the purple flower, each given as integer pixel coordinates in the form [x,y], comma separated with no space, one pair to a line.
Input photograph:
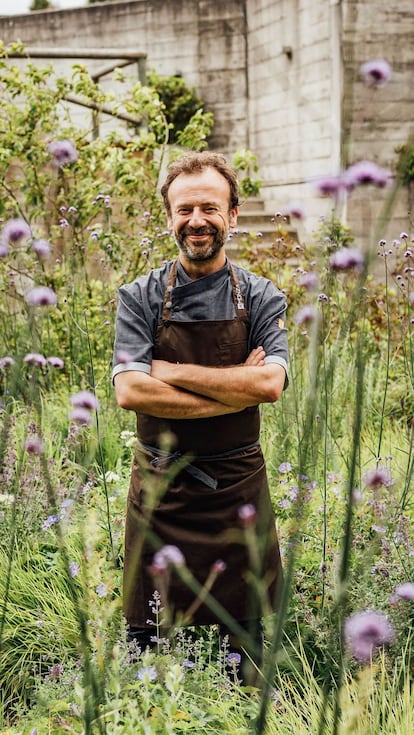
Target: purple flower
[296,210]
[147,673]
[102,590]
[379,476]
[41,296]
[219,566]
[347,258]
[123,357]
[6,362]
[306,315]
[4,250]
[33,358]
[55,362]
[42,249]
[15,230]
[364,173]
[233,658]
[285,467]
[308,280]
[80,416]
[328,186]
[63,152]
[85,399]
[34,445]
[366,631]
[74,569]
[376,73]
[247,514]
[411,297]
[168,555]
[50,521]
[405,591]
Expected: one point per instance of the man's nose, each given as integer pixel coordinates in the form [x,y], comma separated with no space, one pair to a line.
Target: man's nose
[197,218]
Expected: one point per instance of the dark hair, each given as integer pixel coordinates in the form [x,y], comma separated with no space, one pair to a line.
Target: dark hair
[195,162]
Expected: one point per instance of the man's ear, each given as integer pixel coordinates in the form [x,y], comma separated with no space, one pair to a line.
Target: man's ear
[233,216]
[169,224]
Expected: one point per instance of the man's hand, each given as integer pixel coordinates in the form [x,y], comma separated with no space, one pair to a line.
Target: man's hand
[256,357]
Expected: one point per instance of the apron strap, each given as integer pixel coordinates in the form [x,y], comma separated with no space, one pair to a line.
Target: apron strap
[238,299]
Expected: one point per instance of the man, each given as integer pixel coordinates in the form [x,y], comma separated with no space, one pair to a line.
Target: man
[205,344]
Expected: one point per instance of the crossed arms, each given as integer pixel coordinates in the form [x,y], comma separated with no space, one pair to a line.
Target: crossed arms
[186,391]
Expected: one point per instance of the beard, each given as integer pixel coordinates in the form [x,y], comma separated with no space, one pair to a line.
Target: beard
[202,252]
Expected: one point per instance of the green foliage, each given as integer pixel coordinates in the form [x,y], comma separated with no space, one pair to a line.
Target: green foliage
[405,163]
[40,5]
[245,163]
[180,103]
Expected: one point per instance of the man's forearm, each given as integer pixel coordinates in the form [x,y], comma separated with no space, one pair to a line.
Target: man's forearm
[239,386]
[142,393]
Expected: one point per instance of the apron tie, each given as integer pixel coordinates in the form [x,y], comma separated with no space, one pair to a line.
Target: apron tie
[164,458]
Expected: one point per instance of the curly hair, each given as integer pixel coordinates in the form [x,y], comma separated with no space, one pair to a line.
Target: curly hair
[195,162]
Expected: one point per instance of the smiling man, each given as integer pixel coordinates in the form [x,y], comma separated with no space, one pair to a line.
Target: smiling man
[200,343]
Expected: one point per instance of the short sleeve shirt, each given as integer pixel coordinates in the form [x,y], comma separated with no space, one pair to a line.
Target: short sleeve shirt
[207,298]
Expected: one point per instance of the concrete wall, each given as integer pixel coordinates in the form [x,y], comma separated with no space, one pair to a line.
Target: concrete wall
[281,76]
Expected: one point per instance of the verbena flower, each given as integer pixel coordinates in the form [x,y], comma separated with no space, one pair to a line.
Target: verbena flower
[169,555]
[364,173]
[247,513]
[329,186]
[42,249]
[411,297]
[63,152]
[15,230]
[233,658]
[80,416]
[41,296]
[405,591]
[306,315]
[376,73]
[4,250]
[34,445]
[377,477]
[365,632]
[55,362]
[123,357]
[6,362]
[308,280]
[346,259]
[85,399]
[219,566]
[34,358]
[296,210]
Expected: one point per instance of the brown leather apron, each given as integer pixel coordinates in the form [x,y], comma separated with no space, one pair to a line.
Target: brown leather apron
[189,480]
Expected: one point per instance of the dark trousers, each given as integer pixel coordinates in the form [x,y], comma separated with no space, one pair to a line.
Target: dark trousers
[242,659]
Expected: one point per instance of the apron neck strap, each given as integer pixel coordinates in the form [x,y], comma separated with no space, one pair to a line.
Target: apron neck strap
[238,299]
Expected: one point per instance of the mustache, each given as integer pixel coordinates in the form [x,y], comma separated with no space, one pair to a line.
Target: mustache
[198,231]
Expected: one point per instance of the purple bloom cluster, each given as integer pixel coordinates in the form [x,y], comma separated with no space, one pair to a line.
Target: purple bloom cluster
[63,152]
[378,477]
[376,73]
[34,445]
[83,403]
[41,296]
[15,230]
[169,555]
[42,249]
[347,259]
[361,173]
[306,315]
[247,514]
[365,632]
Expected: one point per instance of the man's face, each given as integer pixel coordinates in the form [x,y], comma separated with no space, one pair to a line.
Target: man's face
[200,218]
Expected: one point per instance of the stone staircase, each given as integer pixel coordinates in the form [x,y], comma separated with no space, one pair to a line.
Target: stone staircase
[254,220]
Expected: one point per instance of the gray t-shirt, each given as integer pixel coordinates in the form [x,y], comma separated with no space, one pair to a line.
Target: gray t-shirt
[208,298]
